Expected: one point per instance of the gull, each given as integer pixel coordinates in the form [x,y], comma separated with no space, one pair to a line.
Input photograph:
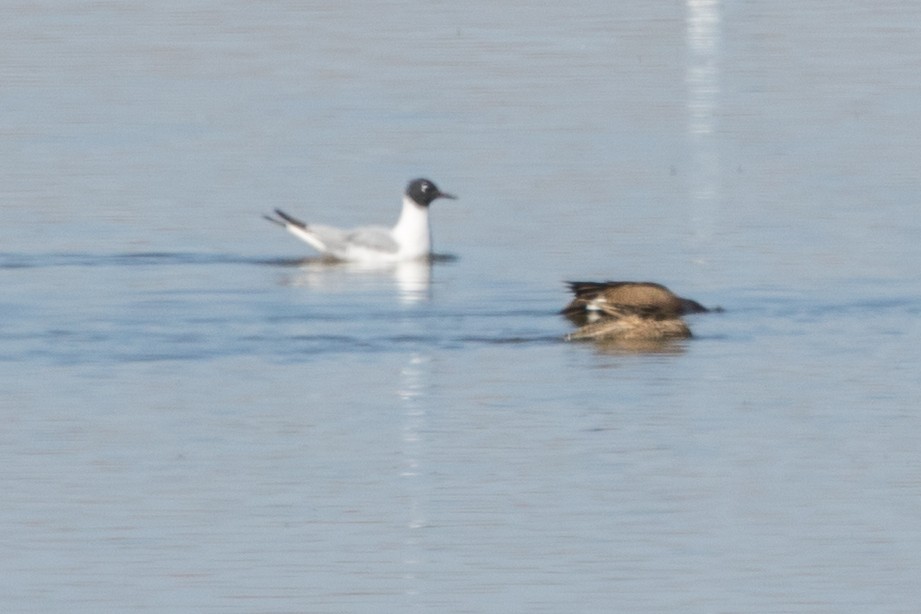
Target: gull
[409,239]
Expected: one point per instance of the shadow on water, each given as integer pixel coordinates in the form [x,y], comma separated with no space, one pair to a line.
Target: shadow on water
[50,260]
[348,309]
[321,322]
[321,261]
[318,323]
[63,259]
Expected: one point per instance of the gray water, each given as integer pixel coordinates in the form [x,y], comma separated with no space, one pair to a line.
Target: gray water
[198,417]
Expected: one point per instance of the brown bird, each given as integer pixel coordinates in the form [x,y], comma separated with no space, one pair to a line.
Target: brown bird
[628,311]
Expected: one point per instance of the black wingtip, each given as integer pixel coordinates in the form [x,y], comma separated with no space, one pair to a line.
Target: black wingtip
[581,288]
[273,220]
[289,219]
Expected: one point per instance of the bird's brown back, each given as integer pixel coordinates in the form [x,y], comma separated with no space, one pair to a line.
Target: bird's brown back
[648,298]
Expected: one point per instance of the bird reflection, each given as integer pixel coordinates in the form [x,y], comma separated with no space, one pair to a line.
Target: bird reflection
[702,77]
[412,278]
[412,391]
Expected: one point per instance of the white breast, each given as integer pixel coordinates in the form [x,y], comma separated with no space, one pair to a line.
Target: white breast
[412,231]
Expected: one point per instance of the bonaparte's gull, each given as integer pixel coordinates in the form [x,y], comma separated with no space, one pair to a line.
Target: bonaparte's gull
[409,239]
[628,311]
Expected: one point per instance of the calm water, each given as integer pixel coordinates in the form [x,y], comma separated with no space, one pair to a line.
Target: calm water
[195,418]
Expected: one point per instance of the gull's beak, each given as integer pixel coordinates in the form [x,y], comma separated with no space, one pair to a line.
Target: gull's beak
[446,195]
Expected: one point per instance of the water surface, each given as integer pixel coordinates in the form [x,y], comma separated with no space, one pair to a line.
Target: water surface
[197,416]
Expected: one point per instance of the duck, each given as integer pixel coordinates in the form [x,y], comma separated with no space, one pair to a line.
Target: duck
[409,239]
[628,311]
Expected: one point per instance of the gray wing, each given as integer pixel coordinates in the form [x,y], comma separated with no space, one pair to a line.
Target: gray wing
[377,238]
[330,238]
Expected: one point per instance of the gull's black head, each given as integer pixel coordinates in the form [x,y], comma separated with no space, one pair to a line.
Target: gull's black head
[423,192]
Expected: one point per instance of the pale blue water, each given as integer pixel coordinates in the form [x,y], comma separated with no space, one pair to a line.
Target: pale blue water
[194,418]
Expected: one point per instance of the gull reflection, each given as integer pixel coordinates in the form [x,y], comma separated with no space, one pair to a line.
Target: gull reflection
[413,382]
[412,279]
[704,39]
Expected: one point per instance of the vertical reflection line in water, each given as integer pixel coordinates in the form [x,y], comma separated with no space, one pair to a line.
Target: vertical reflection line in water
[702,78]
[413,279]
[413,379]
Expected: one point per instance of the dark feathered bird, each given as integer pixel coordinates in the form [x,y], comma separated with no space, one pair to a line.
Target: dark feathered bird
[593,296]
[628,310]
